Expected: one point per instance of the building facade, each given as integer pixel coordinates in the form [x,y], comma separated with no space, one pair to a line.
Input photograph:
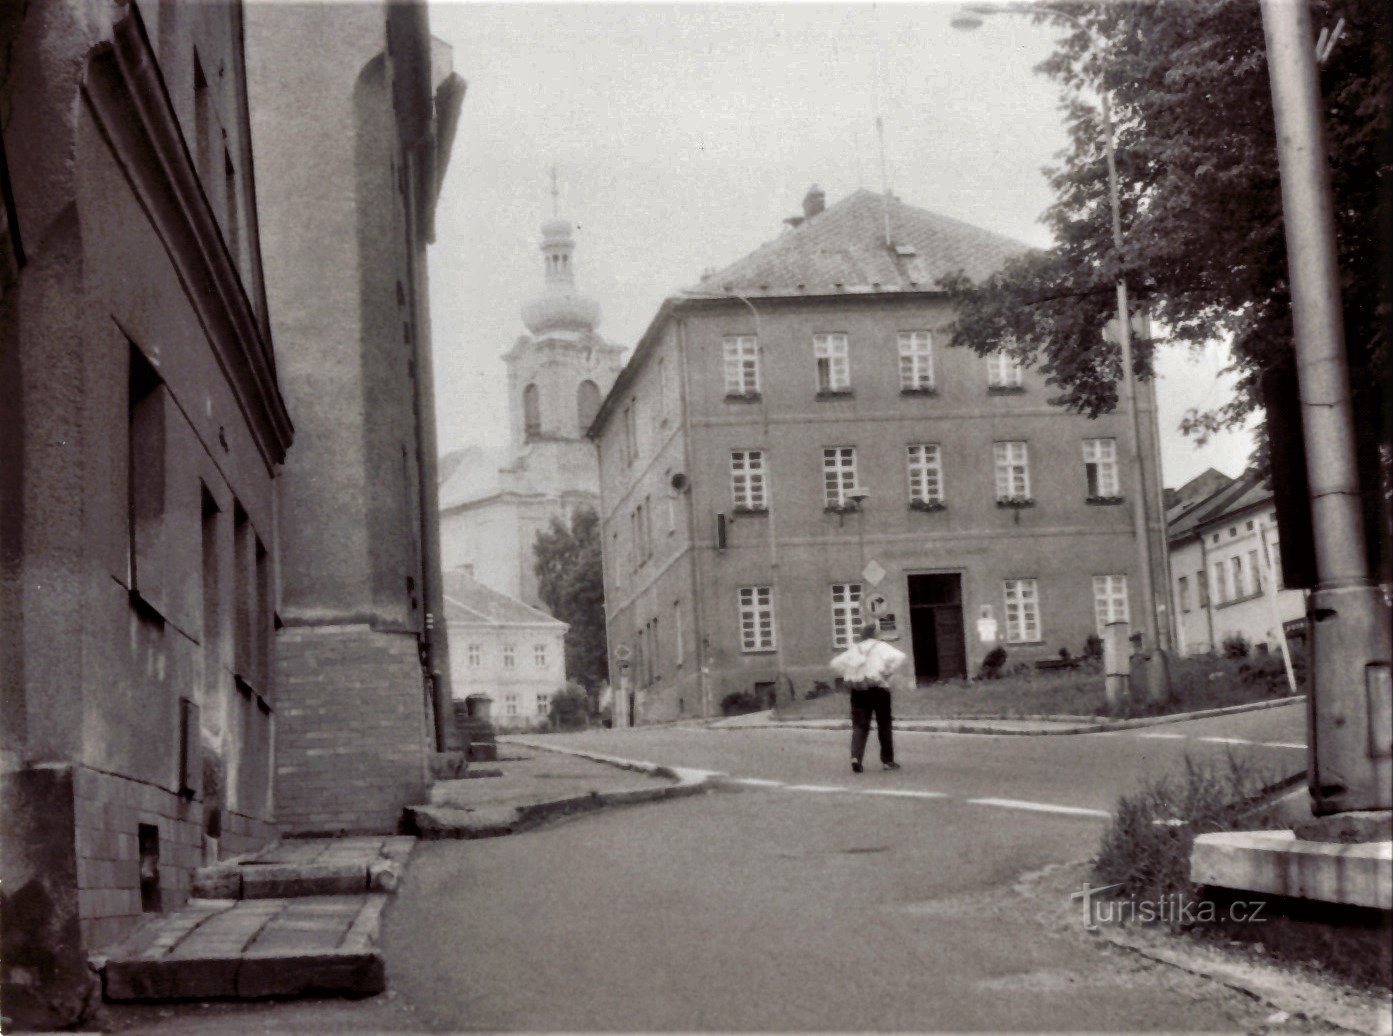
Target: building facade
[353,110]
[504,649]
[1227,570]
[143,427]
[794,442]
[493,505]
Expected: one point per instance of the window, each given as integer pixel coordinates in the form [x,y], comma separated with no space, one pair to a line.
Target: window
[925,474]
[1236,564]
[539,655]
[1202,588]
[916,361]
[1183,592]
[747,480]
[1012,471]
[833,363]
[1100,467]
[679,648]
[531,412]
[1022,611]
[476,655]
[741,365]
[1003,370]
[1248,525]
[508,656]
[1254,573]
[510,704]
[587,404]
[647,528]
[631,432]
[145,482]
[1109,600]
[1219,588]
[543,704]
[846,613]
[1233,531]
[838,475]
[756,618]
[1275,559]
[660,411]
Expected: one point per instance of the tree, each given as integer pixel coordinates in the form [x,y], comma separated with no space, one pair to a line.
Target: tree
[570,580]
[1204,249]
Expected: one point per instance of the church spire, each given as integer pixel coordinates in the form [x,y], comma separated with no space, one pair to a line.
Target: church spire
[560,307]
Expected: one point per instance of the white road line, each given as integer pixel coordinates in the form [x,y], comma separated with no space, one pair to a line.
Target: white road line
[1040,807]
[1283,744]
[813,787]
[1225,740]
[903,793]
[1167,737]
[758,782]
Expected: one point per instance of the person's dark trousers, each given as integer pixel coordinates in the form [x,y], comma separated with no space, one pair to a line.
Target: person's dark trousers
[873,701]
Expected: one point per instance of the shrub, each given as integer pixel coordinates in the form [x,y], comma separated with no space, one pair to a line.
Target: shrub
[993,664]
[570,709]
[821,688]
[1093,646]
[739,703]
[1236,646]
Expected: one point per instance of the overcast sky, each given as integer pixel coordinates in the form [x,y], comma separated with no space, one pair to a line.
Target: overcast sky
[685,133]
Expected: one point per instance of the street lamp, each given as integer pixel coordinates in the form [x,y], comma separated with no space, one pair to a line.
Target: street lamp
[1157,630]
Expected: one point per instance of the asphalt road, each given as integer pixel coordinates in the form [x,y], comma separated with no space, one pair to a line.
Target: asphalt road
[931,898]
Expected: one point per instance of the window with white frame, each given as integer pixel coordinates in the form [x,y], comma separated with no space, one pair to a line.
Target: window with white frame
[846,613]
[741,365]
[1236,564]
[510,704]
[1003,370]
[756,618]
[1254,573]
[916,361]
[1184,593]
[747,480]
[833,363]
[1109,600]
[539,655]
[1022,611]
[476,654]
[543,704]
[1012,470]
[925,473]
[1219,590]
[1100,467]
[509,657]
[838,475]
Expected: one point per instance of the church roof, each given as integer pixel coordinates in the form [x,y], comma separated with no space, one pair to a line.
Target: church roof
[471,602]
[843,249]
[470,474]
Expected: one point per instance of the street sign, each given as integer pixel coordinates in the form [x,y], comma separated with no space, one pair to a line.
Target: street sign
[623,653]
[888,629]
[873,573]
[877,604]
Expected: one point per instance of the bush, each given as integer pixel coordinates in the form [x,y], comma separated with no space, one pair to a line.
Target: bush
[1093,646]
[821,688]
[570,709]
[992,664]
[740,703]
[1236,646]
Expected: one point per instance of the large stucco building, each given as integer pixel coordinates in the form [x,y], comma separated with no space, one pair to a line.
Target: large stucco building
[492,503]
[1226,567]
[794,435]
[142,428]
[353,109]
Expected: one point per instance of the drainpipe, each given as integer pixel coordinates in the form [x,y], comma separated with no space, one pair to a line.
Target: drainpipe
[1208,593]
[698,610]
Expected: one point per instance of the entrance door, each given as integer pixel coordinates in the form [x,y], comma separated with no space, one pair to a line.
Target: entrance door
[936,627]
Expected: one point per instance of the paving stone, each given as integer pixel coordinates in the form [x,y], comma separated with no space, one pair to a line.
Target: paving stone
[351,974]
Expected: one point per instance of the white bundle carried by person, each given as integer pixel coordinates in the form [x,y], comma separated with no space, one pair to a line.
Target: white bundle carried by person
[867,663]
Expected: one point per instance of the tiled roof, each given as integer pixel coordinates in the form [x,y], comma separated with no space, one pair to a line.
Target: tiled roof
[843,249]
[469,601]
[1238,495]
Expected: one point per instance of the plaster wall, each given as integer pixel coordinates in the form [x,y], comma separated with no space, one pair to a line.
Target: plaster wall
[517,685]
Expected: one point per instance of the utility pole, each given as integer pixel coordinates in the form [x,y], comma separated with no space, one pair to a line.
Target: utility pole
[1350,701]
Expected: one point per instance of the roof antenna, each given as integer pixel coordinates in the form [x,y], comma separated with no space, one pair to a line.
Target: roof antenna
[880,126]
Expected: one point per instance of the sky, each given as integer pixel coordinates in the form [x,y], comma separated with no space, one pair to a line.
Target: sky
[684,133]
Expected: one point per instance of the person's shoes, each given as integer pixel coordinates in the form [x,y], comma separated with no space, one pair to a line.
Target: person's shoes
[891,766]
[855,766]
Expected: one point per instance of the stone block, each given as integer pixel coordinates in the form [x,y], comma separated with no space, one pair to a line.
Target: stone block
[343,974]
[279,881]
[1279,863]
[218,883]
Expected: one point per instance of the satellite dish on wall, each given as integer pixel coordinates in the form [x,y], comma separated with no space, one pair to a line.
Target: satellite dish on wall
[680,482]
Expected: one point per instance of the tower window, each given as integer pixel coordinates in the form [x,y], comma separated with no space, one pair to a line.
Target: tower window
[587,404]
[531,412]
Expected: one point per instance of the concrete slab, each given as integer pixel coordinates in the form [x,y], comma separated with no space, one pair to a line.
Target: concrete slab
[309,867]
[253,948]
[1279,863]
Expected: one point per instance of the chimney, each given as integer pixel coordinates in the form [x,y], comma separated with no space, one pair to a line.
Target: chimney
[814,201]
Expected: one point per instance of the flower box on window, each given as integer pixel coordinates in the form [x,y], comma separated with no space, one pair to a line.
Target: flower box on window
[835,394]
[1005,390]
[927,390]
[750,510]
[1015,502]
[742,397]
[927,505]
[850,507]
[1104,501]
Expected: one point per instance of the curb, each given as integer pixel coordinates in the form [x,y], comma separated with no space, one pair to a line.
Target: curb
[437,823]
[1094,726]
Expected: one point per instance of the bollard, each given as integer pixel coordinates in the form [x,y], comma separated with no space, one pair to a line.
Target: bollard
[1117,661]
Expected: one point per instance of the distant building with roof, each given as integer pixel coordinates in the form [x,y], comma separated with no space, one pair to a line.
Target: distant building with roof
[512,652]
[493,503]
[1226,566]
[793,439]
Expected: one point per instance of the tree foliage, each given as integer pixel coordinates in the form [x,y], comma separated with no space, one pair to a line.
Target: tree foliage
[570,580]
[1204,251]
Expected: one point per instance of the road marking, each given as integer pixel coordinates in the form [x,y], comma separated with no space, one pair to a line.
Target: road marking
[1168,737]
[904,793]
[813,787]
[758,782]
[1040,807]
[1283,744]
[1226,740]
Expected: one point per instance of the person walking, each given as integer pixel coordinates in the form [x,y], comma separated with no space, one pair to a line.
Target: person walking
[866,668]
